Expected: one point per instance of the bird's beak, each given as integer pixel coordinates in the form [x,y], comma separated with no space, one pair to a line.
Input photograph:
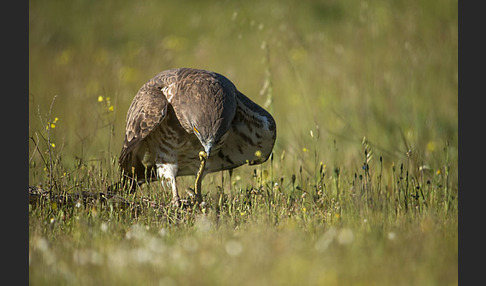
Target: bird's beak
[207,149]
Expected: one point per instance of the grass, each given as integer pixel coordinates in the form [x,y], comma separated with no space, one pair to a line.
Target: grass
[362,187]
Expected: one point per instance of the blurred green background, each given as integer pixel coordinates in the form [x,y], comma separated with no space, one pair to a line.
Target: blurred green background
[384,70]
[330,72]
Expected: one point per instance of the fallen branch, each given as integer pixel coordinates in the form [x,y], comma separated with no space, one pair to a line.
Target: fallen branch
[37,195]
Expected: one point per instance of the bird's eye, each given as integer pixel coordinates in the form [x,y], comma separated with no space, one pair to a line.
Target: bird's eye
[195,130]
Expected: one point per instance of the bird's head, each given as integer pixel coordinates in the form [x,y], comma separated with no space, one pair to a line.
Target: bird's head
[210,110]
[206,137]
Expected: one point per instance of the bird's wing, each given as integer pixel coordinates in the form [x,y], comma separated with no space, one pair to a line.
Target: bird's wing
[147,110]
[249,140]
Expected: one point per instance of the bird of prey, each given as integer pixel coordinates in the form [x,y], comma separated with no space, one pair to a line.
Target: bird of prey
[192,122]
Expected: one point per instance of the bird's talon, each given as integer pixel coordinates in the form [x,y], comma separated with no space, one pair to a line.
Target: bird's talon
[176,202]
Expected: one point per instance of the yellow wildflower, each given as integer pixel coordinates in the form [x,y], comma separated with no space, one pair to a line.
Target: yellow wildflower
[430,146]
[53,145]
[100,98]
[111,108]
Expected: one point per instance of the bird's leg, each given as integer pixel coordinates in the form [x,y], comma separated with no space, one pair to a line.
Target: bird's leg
[202,157]
[168,173]
[175,194]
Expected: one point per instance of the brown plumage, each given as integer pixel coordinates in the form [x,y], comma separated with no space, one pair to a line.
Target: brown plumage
[179,113]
